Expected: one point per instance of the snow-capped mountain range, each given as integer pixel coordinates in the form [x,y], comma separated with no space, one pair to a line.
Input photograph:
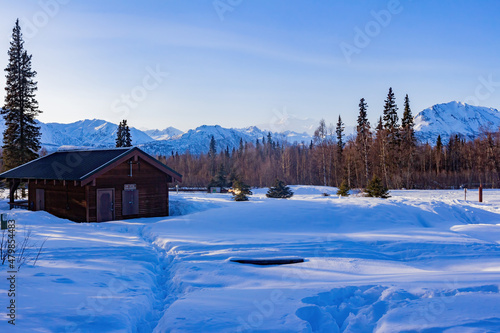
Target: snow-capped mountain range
[197,140]
[455,118]
[165,134]
[441,119]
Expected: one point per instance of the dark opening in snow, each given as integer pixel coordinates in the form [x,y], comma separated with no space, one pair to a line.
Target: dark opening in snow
[269,261]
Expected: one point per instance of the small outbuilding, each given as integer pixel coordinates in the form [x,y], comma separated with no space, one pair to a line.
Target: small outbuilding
[95,185]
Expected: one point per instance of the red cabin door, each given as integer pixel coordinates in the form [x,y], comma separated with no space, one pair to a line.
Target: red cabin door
[105,204]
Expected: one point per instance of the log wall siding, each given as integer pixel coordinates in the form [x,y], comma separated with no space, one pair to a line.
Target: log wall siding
[62,199]
[79,203]
[151,183]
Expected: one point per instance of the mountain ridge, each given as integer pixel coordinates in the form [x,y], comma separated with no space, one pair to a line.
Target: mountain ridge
[452,118]
[444,119]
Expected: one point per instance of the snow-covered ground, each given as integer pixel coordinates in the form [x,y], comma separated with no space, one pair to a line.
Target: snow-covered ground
[424,261]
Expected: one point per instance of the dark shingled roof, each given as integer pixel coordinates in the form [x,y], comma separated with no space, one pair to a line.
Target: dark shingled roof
[72,165]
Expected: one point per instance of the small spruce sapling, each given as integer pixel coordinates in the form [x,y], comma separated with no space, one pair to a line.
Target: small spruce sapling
[241,191]
[343,189]
[279,190]
[376,189]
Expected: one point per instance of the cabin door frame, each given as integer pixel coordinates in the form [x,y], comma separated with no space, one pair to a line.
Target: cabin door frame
[105,198]
[39,199]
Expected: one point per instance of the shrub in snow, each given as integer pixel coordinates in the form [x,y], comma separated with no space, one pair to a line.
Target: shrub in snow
[376,189]
[26,250]
[240,191]
[344,189]
[279,190]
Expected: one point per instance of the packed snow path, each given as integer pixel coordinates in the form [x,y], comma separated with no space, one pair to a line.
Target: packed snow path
[419,261]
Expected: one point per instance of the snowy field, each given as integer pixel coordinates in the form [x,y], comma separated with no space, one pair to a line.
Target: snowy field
[421,261]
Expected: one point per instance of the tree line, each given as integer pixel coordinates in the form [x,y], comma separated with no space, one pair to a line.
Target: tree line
[389,150]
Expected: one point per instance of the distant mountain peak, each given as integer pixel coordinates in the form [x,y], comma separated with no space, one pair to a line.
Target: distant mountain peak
[455,117]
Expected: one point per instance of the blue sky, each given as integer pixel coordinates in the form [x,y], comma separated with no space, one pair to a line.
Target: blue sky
[238,63]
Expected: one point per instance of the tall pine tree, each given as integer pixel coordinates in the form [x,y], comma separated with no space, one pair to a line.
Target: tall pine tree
[212,150]
[123,137]
[391,112]
[120,136]
[407,123]
[390,142]
[127,135]
[22,135]
[363,137]
[408,142]
[339,130]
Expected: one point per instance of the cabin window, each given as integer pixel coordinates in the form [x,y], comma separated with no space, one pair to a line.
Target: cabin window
[130,202]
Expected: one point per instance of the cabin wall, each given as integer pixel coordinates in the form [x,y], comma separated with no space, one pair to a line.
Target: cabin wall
[62,199]
[151,183]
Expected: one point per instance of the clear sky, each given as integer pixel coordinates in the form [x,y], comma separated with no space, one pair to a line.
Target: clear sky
[237,63]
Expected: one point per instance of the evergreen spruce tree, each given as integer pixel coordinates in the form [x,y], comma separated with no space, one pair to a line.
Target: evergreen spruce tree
[240,190]
[21,137]
[340,135]
[439,154]
[407,123]
[408,144]
[376,189]
[123,137]
[363,137]
[391,112]
[407,120]
[220,178]
[344,188]
[363,128]
[390,151]
[241,147]
[126,135]
[279,190]
[212,150]
[269,139]
[439,143]
[120,136]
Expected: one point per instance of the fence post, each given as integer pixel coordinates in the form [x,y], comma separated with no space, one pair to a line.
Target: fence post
[481,193]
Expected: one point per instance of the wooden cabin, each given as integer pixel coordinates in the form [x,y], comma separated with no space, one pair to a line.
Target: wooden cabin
[95,185]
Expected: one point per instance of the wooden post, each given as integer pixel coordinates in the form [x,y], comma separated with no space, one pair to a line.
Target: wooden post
[481,193]
[465,193]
